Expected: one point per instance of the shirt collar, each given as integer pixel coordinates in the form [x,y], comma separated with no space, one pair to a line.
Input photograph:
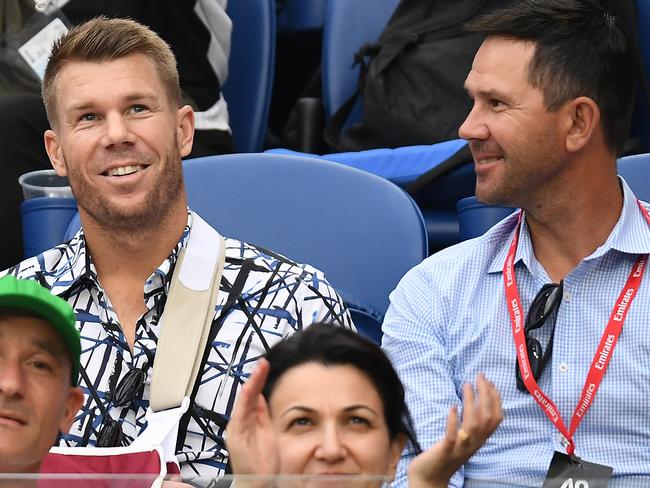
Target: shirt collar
[76,264]
[506,231]
[631,234]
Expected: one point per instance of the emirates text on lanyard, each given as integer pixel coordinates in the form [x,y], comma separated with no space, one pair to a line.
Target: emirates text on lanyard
[603,353]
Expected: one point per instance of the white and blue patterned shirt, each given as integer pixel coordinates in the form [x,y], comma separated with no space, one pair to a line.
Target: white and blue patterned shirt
[448,321]
[263,297]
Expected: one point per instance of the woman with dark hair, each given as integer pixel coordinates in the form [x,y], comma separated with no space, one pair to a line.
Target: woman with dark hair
[326,401]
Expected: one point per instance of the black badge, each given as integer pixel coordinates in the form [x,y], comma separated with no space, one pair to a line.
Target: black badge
[572,472]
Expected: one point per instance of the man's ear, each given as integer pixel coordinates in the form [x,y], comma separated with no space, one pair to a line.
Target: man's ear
[583,120]
[72,405]
[54,152]
[394,454]
[185,130]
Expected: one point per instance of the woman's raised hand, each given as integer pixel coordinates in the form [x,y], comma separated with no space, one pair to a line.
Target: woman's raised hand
[435,466]
[249,436]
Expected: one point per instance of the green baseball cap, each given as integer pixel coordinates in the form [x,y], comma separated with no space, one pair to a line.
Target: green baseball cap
[29,296]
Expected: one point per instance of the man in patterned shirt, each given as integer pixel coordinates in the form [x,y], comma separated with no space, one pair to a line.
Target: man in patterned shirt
[552,303]
[118,132]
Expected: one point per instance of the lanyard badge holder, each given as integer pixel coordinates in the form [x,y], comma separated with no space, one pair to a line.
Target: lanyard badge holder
[567,469]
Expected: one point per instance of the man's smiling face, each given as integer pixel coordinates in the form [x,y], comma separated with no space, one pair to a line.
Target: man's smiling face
[515,140]
[119,139]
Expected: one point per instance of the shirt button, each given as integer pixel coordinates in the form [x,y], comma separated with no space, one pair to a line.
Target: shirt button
[566,297]
[564,367]
[563,441]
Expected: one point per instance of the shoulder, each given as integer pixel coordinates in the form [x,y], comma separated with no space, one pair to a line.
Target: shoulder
[266,268]
[262,260]
[276,282]
[57,267]
[49,263]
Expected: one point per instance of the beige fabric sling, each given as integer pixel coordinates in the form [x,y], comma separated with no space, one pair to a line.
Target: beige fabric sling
[188,315]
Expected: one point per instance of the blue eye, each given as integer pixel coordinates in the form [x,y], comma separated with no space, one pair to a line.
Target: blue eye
[89,117]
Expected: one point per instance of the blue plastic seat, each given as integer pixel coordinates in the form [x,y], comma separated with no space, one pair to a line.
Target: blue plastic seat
[636,171]
[250,71]
[475,218]
[641,121]
[348,25]
[300,15]
[45,220]
[364,232]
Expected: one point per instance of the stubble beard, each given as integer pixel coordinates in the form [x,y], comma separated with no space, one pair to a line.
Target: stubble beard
[165,193]
[520,184]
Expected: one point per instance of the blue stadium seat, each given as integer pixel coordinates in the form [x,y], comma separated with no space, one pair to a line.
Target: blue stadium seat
[361,230]
[641,121]
[636,171]
[300,15]
[251,68]
[348,25]
[475,218]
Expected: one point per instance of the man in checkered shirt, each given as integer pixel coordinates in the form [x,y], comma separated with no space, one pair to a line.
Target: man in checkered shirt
[552,296]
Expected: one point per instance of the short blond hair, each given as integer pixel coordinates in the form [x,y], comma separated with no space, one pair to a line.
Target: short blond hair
[104,39]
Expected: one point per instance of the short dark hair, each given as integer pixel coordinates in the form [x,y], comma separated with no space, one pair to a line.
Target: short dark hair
[334,346]
[580,50]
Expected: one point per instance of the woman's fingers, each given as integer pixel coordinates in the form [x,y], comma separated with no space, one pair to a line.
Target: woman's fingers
[247,402]
[249,434]
[257,379]
[482,413]
[471,415]
[448,442]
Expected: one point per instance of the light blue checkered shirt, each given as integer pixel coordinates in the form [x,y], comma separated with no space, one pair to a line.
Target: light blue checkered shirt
[448,321]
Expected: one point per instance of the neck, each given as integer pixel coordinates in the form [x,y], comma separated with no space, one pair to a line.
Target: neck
[571,225]
[134,254]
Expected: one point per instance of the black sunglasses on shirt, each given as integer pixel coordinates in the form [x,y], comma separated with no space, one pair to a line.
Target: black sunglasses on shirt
[546,302]
[128,389]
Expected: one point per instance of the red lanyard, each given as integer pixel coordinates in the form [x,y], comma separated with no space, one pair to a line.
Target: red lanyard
[603,353]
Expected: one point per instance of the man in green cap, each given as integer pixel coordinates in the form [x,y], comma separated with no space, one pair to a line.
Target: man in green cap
[39,369]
